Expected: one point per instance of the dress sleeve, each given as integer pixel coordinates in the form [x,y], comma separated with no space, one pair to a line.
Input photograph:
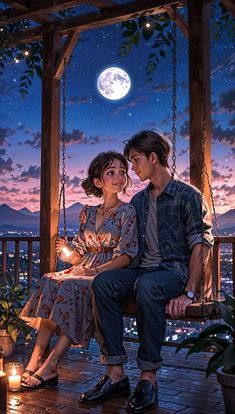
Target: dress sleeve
[78,241]
[128,241]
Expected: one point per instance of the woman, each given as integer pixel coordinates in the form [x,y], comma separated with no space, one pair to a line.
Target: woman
[61,301]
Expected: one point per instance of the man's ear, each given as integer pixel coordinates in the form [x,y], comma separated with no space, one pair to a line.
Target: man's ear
[97,182]
[153,158]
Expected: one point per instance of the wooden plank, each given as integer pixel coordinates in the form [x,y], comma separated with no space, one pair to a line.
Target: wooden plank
[21,9]
[230,6]
[65,54]
[30,267]
[17,261]
[179,19]
[216,268]
[39,11]
[50,153]
[4,259]
[101,18]
[199,92]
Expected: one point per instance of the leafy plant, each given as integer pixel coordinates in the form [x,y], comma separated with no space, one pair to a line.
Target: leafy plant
[12,300]
[219,337]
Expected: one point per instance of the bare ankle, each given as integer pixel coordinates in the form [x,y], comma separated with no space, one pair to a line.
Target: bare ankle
[149,376]
[115,372]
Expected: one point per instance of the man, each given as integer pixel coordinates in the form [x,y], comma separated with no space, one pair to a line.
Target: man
[174,226]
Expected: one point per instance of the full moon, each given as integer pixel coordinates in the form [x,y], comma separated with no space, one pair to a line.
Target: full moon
[114,83]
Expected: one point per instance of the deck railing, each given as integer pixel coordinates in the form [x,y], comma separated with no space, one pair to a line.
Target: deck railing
[17,241]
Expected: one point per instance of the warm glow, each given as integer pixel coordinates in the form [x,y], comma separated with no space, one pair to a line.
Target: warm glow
[67,250]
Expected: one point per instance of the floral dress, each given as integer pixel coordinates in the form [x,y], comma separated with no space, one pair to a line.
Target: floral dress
[64,297]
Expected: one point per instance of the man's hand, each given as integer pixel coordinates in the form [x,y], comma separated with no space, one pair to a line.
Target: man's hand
[82,215]
[177,307]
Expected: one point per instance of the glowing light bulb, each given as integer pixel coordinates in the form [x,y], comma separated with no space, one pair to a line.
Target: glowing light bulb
[67,250]
[148,25]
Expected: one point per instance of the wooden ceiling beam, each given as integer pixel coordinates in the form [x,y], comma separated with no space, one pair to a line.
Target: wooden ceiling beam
[230,6]
[104,17]
[19,8]
[65,54]
[179,19]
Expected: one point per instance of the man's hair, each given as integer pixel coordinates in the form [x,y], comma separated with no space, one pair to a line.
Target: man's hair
[146,142]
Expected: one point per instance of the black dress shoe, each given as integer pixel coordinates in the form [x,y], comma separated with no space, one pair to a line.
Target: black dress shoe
[144,397]
[105,390]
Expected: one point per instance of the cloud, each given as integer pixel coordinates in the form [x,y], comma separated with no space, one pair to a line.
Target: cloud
[227,101]
[128,105]
[5,133]
[218,176]
[6,165]
[35,142]
[75,100]
[8,190]
[2,151]
[75,181]
[78,137]
[232,122]
[224,136]
[34,190]
[32,172]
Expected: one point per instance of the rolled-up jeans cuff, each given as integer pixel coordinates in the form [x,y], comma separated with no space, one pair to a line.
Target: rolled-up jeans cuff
[113,360]
[148,366]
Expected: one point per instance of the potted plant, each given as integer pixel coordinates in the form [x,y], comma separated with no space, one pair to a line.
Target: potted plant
[12,300]
[220,338]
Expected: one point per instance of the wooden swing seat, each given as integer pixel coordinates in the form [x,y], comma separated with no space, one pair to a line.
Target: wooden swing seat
[197,312]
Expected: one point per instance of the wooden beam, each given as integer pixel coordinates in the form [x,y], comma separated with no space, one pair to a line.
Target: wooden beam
[38,10]
[179,19]
[22,8]
[94,20]
[199,92]
[65,54]
[50,151]
[230,6]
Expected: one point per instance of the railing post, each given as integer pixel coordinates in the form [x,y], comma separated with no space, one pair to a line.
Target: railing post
[4,260]
[30,266]
[17,261]
[216,269]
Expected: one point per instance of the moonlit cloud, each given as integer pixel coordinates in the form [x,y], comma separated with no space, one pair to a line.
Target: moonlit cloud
[227,101]
[6,165]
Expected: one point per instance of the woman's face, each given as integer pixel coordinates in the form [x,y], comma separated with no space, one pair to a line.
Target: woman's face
[114,178]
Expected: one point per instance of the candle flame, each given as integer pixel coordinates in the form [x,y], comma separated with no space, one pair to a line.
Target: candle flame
[13,372]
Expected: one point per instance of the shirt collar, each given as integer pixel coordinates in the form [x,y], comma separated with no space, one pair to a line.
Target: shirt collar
[170,188]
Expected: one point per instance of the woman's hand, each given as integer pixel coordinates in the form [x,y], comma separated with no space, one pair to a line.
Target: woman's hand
[60,243]
[82,215]
[87,272]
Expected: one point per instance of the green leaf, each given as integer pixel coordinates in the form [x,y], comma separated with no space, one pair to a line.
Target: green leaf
[162,53]
[185,343]
[128,33]
[147,32]
[200,345]
[226,313]
[135,38]
[214,363]
[229,300]
[216,328]
[229,357]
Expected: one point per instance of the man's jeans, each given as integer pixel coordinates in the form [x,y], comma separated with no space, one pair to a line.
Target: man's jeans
[153,289]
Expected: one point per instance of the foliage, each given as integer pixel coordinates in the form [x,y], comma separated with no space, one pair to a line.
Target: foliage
[31,54]
[156,31]
[213,338]
[12,300]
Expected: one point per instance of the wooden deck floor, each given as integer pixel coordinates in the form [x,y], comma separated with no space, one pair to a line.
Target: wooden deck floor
[182,385]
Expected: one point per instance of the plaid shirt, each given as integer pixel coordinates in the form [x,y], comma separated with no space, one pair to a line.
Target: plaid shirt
[183,221]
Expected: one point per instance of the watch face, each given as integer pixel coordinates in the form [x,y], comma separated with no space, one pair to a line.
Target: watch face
[190,294]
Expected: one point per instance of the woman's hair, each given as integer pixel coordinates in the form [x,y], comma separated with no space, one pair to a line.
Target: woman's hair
[96,170]
[147,142]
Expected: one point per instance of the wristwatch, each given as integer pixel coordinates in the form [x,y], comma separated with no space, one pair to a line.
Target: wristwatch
[190,294]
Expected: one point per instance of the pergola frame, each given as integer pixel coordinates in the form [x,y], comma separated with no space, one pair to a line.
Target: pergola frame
[51,31]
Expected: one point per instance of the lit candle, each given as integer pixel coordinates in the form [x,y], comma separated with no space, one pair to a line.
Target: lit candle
[3,392]
[14,380]
[67,250]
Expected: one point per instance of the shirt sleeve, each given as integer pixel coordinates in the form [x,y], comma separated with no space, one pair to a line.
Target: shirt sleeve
[128,241]
[78,241]
[198,223]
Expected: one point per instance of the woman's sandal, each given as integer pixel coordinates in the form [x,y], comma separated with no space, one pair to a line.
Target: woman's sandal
[52,382]
[24,377]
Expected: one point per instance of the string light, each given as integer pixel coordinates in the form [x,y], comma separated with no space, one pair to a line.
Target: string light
[147,25]
[26,53]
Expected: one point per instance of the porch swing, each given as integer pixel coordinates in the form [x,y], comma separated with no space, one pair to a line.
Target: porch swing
[204,308]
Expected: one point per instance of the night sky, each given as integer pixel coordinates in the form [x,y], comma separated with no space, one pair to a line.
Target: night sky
[96,124]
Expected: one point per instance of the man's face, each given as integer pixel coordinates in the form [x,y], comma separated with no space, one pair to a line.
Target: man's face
[140,165]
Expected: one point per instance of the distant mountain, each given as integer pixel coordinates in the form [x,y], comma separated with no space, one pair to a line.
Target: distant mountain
[25,219]
[227,219]
[27,212]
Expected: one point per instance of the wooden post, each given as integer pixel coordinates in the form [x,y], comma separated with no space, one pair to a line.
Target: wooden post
[50,152]
[199,91]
